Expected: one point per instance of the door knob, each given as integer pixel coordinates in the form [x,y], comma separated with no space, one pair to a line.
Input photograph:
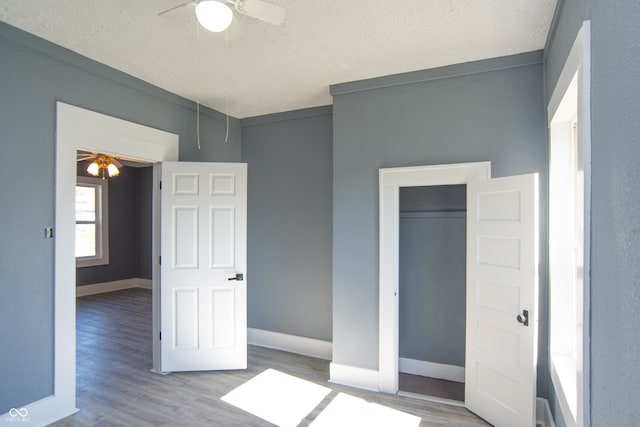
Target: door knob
[239,277]
[523,318]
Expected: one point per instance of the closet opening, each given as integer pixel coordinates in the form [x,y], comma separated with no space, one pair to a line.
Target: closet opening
[432,292]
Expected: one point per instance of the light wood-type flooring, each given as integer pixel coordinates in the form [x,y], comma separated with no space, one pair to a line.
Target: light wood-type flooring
[115,386]
[431,387]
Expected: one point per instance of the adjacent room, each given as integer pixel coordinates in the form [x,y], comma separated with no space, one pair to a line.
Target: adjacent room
[277,212]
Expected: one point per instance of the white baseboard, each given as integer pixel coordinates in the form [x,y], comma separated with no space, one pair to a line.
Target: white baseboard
[116,285]
[367,379]
[543,413]
[436,399]
[39,413]
[432,370]
[292,343]
[144,283]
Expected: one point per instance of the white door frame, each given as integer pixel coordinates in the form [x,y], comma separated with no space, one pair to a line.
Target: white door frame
[391,180]
[80,129]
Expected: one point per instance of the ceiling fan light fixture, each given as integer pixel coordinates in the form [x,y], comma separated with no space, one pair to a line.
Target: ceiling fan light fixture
[214,15]
[112,170]
[104,165]
[94,168]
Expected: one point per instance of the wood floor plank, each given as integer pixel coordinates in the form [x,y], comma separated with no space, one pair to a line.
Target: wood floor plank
[431,387]
[115,386]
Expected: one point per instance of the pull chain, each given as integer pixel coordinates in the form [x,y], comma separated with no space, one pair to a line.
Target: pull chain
[226,86]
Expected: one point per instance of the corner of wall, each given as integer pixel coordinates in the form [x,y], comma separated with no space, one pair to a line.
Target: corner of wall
[366,379]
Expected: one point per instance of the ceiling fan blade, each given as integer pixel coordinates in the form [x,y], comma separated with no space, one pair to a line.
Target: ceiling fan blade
[116,162]
[262,10]
[189,3]
[82,159]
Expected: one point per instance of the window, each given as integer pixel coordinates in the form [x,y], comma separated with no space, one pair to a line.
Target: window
[569,168]
[92,222]
[566,266]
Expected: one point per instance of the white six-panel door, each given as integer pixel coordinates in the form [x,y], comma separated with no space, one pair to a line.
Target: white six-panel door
[502,273]
[203,313]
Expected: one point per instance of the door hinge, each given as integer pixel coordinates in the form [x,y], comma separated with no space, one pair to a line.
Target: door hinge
[160,335]
[161,185]
[160,260]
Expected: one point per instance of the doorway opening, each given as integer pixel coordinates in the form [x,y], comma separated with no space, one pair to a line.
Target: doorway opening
[502,260]
[118,211]
[391,182]
[432,292]
[80,129]
[113,217]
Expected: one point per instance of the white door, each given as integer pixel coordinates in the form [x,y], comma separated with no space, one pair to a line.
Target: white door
[203,308]
[502,280]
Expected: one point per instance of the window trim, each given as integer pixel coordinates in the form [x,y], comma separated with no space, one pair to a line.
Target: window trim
[569,367]
[102,218]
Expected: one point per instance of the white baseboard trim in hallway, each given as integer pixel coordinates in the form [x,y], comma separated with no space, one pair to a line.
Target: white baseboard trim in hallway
[116,285]
[431,398]
[431,370]
[292,343]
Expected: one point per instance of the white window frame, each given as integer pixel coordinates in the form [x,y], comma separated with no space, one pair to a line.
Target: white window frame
[102,220]
[569,231]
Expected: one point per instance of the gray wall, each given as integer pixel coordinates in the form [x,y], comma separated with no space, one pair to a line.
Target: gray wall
[145,215]
[615,244]
[467,112]
[614,348]
[432,297]
[289,221]
[130,213]
[487,110]
[34,75]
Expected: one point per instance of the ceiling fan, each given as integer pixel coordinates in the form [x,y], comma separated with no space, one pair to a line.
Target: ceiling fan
[216,15]
[109,165]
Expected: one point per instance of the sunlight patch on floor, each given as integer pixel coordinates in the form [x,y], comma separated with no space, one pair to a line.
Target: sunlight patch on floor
[285,400]
[278,398]
[349,411]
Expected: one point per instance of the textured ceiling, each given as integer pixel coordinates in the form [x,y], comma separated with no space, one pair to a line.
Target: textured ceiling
[257,68]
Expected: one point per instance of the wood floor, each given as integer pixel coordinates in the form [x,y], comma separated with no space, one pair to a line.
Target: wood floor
[431,387]
[115,386]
